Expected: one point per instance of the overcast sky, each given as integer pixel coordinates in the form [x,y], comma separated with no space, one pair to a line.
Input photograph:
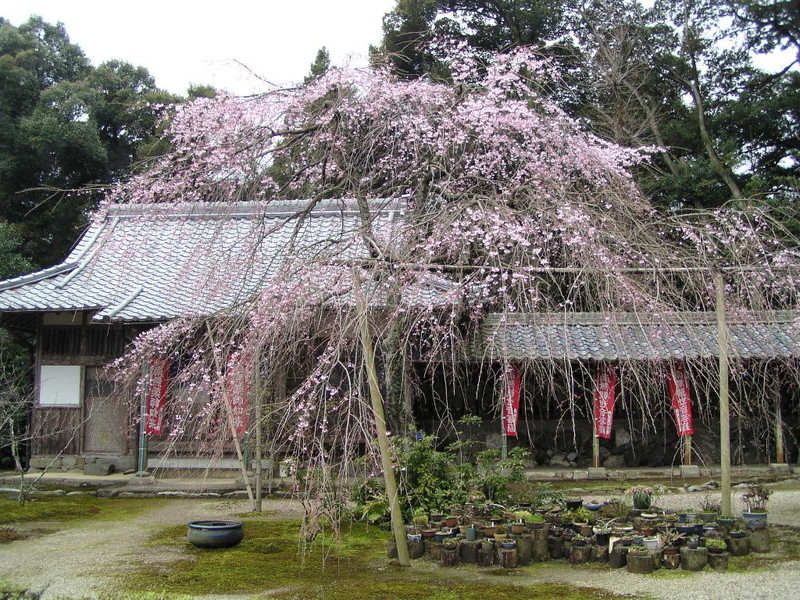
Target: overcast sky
[190,42]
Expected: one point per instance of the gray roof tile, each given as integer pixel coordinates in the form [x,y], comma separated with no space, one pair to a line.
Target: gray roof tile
[626,336]
[157,262]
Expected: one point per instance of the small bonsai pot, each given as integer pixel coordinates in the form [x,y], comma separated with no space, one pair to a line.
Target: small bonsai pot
[573,503]
[428,533]
[738,534]
[215,534]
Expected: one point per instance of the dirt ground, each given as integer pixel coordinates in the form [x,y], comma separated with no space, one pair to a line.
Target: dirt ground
[81,561]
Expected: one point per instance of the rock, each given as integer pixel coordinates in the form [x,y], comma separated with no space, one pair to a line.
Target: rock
[69,462]
[494,441]
[133,495]
[621,437]
[572,457]
[44,462]
[559,459]
[614,461]
[237,495]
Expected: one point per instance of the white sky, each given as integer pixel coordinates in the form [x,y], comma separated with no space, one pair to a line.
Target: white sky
[193,42]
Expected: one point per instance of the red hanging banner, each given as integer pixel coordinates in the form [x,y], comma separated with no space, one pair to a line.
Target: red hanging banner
[511,392]
[681,398]
[238,390]
[156,395]
[605,383]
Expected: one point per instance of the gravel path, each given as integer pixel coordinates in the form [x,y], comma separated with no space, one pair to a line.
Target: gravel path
[80,562]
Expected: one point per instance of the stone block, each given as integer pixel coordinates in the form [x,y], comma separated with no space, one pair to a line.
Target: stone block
[779,468]
[597,473]
[44,462]
[69,462]
[579,474]
[98,469]
[690,470]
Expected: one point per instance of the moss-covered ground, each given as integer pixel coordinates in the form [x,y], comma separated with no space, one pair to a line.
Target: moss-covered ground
[272,560]
[63,509]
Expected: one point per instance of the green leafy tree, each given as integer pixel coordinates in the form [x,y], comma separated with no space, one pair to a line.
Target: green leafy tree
[66,130]
[320,66]
[486,25]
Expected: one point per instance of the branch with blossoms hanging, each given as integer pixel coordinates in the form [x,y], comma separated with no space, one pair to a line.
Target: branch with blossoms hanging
[512,207]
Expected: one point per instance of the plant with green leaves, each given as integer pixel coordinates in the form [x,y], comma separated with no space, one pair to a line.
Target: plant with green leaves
[494,474]
[715,543]
[642,496]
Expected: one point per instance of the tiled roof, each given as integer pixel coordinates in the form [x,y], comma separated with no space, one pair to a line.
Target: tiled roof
[157,262]
[627,336]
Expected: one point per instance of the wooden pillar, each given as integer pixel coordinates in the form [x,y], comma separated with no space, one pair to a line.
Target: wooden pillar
[687,449]
[258,396]
[595,448]
[724,417]
[780,455]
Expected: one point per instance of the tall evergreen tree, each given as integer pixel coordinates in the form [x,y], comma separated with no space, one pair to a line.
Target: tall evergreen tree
[65,126]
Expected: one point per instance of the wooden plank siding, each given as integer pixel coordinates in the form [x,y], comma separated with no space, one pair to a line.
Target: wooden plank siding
[101,423]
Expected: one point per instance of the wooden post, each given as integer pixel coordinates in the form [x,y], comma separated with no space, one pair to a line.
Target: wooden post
[595,448]
[257,505]
[142,461]
[687,449]
[780,455]
[724,417]
[380,428]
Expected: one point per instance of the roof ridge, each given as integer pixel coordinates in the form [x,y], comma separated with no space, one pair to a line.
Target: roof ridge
[633,318]
[250,208]
[37,275]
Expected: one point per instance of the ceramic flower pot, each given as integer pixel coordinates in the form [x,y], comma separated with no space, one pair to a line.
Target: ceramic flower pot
[755,520]
[215,534]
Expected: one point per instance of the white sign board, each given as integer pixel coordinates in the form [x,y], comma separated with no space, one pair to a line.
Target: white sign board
[60,385]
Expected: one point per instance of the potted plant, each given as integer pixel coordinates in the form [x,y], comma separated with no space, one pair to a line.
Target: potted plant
[672,541]
[573,502]
[709,509]
[581,516]
[755,499]
[642,496]
[593,505]
[536,521]
[688,516]
[420,518]
[715,545]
